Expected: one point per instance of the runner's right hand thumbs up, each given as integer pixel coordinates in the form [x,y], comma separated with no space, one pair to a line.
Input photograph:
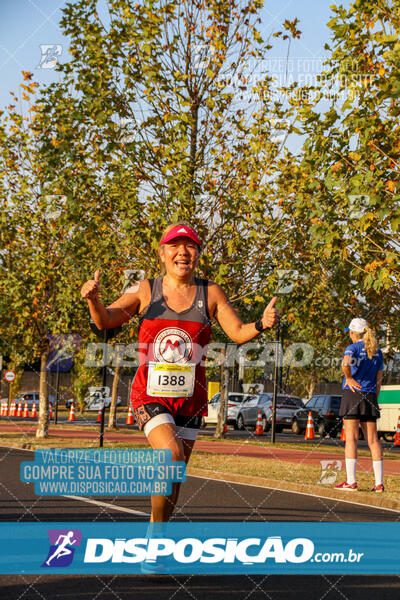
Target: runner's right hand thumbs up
[90,289]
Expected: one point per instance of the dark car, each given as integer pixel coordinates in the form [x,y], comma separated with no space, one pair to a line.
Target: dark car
[285,407]
[325,413]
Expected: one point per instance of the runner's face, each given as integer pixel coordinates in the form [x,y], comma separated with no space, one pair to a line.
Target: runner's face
[179,256]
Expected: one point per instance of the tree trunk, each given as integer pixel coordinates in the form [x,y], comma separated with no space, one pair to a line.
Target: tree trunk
[220,428]
[112,417]
[42,430]
[311,387]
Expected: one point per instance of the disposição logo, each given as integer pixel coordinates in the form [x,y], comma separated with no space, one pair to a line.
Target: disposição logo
[62,547]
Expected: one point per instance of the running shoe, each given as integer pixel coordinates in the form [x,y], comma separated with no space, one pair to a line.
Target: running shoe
[349,487]
[155,568]
[378,488]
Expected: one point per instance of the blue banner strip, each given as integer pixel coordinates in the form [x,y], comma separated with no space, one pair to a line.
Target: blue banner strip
[200,548]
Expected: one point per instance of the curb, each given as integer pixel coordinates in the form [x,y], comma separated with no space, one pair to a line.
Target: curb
[365,497]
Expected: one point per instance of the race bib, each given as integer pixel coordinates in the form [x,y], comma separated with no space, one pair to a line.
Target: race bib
[171,380]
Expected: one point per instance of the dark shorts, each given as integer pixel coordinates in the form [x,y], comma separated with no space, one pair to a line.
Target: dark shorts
[361,406]
[145,412]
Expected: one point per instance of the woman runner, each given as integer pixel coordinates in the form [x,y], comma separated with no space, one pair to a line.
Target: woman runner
[363,368]
[169,392]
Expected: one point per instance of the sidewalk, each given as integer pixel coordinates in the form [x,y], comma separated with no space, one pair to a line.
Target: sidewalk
[311,455]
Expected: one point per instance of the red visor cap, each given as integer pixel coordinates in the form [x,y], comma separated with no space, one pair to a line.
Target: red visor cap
[181,231]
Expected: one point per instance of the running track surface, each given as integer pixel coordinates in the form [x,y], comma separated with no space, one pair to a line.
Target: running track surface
[201,499]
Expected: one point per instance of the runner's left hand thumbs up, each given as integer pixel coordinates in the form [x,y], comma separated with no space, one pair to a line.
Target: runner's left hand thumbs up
[270,315]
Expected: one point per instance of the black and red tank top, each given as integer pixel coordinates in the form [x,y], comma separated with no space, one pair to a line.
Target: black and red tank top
[170,337]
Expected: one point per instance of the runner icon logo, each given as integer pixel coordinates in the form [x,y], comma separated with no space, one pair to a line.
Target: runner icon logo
[173,345]
[330,470]
[50,54]
[61,551]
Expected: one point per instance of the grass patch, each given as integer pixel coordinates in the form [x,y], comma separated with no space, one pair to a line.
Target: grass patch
[281,471]
[316,445]
[274,471]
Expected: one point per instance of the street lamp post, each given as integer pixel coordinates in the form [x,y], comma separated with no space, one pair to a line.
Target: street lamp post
[105,335]
[277,369]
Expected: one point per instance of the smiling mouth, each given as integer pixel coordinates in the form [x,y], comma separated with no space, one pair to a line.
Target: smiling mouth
[182,263]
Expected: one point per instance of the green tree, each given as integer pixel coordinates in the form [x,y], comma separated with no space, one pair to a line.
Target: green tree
[340,196]
[50,238]
[160,105]
[161,109]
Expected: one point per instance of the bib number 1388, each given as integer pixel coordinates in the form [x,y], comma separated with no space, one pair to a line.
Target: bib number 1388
[171,380]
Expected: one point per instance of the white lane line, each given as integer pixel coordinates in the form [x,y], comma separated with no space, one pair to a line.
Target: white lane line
[268,487]
[107,505]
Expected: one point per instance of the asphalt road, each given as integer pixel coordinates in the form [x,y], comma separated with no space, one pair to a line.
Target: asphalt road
[200,500]
[201,587]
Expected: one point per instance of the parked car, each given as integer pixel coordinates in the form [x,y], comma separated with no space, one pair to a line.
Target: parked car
[30,398]
[325,413]
[286,405]
[94,400]
[234,401]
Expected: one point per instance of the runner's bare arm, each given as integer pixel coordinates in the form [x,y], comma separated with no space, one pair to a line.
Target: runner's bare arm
[231,323]
[346,368]
[118,312]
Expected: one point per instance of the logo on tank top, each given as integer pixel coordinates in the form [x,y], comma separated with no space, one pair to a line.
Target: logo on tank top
[173,345]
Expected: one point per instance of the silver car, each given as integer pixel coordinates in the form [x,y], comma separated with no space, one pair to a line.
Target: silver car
[286,405]
[235,400]
[30,397]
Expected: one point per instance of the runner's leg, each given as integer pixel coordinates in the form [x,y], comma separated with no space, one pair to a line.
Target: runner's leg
[371,435]
[165,437]
[187,449]
[352,432]
[351,427]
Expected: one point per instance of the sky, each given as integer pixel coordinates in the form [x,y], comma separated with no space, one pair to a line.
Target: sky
[28,25]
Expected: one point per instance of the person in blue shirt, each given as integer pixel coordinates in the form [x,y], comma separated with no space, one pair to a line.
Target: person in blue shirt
[363,368]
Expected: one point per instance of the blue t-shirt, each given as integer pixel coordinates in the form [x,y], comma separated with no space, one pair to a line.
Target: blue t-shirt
[363,369]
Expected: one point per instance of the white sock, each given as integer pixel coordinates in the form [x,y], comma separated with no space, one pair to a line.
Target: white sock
[351,466]
[378,471]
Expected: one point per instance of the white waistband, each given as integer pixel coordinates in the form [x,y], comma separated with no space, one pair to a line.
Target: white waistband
[185,433]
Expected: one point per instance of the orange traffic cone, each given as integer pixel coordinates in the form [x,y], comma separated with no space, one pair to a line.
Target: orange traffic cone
[2,409]
[26,411]
[343,434]
[13,409]
[397,436]
[310,427]
[19,410]
[129,418]
[259,430]
[99,415]
[5,409]
[71,416]
[33,411]
[50,411]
